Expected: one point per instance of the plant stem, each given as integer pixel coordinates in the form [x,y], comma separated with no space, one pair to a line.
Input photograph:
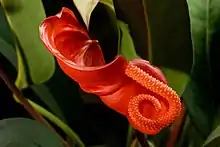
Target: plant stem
[175,131]
[129,135]
[150,53]
[25,103]
[186,128]
[58,122]
[142,139]
[134,142]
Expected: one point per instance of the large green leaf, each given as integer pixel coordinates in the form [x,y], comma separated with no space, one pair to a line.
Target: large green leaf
[24,17]
[177,80]
[169,28]
[213,139]
[10,49]
[21,132]
[169,33]
[201,95]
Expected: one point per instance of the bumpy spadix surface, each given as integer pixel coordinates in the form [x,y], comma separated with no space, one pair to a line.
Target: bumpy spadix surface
[135,89]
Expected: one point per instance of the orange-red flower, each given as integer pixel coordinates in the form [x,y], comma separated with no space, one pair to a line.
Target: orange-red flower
[135,89]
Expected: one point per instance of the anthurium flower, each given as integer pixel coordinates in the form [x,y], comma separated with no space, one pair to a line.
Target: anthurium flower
[135,88]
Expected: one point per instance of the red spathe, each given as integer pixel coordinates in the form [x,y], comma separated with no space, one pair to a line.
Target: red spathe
[135,89]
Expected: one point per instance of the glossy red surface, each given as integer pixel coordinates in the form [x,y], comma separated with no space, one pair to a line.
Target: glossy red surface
[136,89]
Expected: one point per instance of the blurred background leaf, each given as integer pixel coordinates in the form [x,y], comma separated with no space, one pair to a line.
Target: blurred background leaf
[145,19]
[177,80]
[8,51]
[169,29]
[5,30]
[18,132]
[213,139]
[168,23]
[131,12]
[126,46]
[201,95]
[7,47]
[12,52]
[25,22]
[108,3]
[67,98]
[46,96]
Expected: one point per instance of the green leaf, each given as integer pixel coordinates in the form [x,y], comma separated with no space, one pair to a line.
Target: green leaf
[169,28]
[187,136]
[21,132]
[201,95]
[8,51]
[216,120]
[6,33]
[132,13]
[157,37]
[108,3]
[196,99]
[213,139]
[125,42]
[24,17]
[176,79]
[21,80]
[161,138]
[170,50]
[59,123]
[7,48]
[85,8]
[169,33]
[67,98]
[126,46]
[129,135]
[45,95]
[192,140]
[170,39]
